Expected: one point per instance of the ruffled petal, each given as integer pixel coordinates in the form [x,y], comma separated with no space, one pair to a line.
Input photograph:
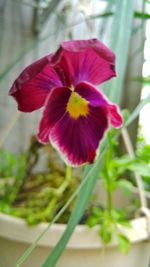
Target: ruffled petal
[54,111]
[84,60]
[93,95]
[77,138]
[77,141]
[33,85]
[97,99]
[115,116]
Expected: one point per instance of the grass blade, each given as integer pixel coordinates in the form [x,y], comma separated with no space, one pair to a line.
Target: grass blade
[121,33]
[85,193]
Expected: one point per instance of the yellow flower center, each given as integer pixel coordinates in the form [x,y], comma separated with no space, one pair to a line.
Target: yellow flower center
[77,106]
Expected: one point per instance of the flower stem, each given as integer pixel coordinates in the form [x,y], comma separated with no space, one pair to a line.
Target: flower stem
[108,182]
[66,182]
[109,197]
[59,191]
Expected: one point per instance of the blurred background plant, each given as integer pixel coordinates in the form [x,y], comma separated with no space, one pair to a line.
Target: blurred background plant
[29,175]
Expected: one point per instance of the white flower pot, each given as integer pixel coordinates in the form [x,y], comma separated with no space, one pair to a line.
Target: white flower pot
[84,249]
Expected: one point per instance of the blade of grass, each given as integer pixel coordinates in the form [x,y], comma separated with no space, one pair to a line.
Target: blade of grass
[78,210]
[104,23]
[120,38]
[142,29]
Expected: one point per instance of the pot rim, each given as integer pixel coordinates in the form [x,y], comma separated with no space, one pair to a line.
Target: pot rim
[16,229]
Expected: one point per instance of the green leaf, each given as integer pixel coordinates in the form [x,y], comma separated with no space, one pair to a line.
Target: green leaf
[125,223]
[121,33]
[105,234]
[123,243]
[143,151]
[105,22]
[96,217]
[141,15]
[125,185]
[92,221]
[141,168]
[97,212]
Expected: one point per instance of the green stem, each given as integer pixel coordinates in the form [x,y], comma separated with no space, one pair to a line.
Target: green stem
[109,182]
[109,197]
[66,182]
[57,192]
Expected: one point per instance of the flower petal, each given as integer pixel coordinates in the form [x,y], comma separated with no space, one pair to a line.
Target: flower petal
[91,94]
[84,60]
[78,140]
[97,99]
[115,116]
[54,111]
[33,85]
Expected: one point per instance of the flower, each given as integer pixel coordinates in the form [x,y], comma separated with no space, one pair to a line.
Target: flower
[76,114]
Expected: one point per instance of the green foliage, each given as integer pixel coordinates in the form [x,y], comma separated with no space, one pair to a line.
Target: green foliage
[12,171]
[124,243]
[141,15]
[109,219]
[142,154]
[123,166]
[11,164]
[36,197]
[109,226]
[112,173]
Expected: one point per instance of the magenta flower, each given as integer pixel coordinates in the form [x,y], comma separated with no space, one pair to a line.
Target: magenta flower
[76,114]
